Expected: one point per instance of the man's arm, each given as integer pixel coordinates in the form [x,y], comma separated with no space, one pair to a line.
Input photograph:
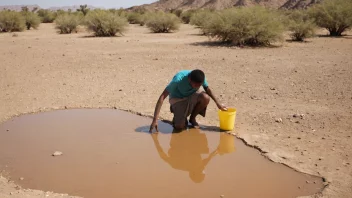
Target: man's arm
[157,110]
[162,154]
[210,93]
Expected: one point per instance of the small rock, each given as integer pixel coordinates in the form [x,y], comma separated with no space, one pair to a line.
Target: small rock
[299,138]
[308,182]
[57,153]
[278,120]
[120,89]
[115,107]
[272,88]
[255,98]
[63,54]
[21,178]
[222,196]
[295,115]
[7,130]
[297,122]
[299,187]
[320,158]
[315,182]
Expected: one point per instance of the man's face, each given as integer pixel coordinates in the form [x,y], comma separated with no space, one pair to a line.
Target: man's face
[194,84]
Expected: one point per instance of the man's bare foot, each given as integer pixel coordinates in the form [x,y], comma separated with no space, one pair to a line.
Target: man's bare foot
[194,123]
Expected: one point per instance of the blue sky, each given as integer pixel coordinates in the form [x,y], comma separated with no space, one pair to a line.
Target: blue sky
[98,3]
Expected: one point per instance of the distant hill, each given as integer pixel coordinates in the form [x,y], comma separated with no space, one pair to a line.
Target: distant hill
[19,7]
[222,4]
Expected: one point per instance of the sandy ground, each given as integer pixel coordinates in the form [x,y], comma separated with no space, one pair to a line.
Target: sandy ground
[42,70]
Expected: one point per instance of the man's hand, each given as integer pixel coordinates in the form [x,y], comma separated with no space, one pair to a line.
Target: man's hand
[154,125]
[222,107]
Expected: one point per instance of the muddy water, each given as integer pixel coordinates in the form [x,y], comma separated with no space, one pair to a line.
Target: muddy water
[108,153]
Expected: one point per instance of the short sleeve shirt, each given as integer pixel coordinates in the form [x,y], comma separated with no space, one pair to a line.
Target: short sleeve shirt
[180,87]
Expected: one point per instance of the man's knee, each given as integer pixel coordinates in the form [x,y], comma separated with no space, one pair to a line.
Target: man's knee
[204,98]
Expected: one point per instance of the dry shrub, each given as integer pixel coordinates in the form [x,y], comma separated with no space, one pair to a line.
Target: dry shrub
[160,22]
[11,21]
[32,20]
[105,23]
[67,23]
[300,25]
[334,15]
[136,18]
[200,18]
[46,16]
[246,26]
[187,15]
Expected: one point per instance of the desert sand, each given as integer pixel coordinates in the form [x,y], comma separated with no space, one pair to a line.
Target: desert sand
[294,101]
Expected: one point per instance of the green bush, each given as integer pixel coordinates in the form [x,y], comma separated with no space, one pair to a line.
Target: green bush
[160,22]
[300,25]
[177,12]
[246,26]
[46,16]
[200,18]
[11,21]
[105,23]
[32,20]
[67,23]
[187,15]
[121,12]
[334,15]
[135,18]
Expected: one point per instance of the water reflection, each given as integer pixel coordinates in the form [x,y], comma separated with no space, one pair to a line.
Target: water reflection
[186,149]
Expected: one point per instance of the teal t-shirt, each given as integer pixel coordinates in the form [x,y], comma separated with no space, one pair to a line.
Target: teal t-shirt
[180,87]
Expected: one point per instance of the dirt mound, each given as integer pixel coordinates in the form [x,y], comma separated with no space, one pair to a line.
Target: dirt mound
[221,4]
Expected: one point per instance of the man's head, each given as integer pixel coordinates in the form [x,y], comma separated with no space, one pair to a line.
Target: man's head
[196,78]
[197,176]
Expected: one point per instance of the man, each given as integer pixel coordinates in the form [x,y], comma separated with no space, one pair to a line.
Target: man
[186,99]
[185,153]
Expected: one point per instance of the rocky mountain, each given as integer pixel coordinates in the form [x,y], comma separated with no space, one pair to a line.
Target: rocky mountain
[221,4]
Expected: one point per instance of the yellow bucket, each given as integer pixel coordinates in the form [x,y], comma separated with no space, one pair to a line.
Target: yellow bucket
[227,119]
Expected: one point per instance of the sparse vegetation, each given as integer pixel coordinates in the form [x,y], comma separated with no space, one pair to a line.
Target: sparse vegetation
[32,19]
[11,21]
[177,12]
[160,22]
[201,17]
[187,15]
[105,23]
[334,15]
[246,26]
[46,16]
[136,18]
[84,9]
[300,25]
[67,23]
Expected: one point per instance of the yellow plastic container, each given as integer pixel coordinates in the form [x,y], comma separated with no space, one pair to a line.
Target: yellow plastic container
[227,119]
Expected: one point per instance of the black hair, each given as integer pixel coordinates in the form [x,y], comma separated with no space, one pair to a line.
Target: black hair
[197,76]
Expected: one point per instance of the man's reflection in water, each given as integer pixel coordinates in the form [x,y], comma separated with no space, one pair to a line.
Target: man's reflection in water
[186,149]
